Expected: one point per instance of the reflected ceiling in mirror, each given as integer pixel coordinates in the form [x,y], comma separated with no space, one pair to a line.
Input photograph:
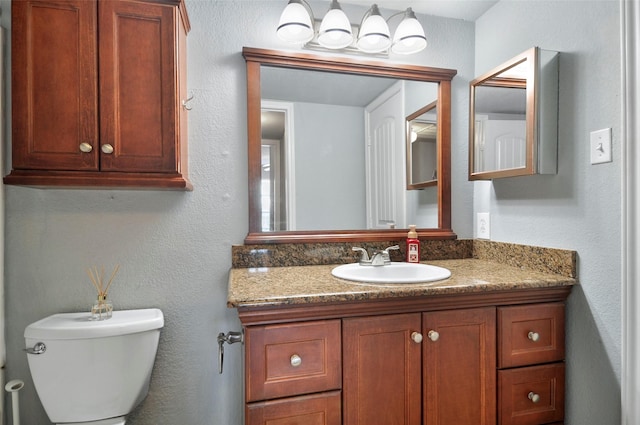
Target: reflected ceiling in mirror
[313,188]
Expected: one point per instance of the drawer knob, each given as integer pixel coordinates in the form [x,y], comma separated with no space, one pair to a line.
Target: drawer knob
[533,336]
[107,148]
[416,337]
[296,360]
[534,397]
[85,147]
[433,335]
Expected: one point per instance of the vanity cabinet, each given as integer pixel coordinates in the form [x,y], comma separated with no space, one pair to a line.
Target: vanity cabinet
[478,359]
[97,91]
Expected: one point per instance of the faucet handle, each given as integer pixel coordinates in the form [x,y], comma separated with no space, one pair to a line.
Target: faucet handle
[385,253]
[365,255]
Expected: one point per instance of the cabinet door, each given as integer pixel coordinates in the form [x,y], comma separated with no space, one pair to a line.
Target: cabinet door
[459,367]
[381,370]
[138,87]
[54,85]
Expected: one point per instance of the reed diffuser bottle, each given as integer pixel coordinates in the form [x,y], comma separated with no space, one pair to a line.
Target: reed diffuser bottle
[102,309]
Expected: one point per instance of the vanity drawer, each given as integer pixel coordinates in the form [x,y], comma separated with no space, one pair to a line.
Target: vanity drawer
[531,395]
[315,409]
[530,334]
[292,359]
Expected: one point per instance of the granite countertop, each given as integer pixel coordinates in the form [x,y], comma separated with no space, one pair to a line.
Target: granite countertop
[262,286]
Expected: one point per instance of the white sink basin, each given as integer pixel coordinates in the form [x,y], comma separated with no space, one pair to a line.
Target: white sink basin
[391,273]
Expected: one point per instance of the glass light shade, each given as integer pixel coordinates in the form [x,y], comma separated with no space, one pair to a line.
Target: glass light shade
[295,24]
[335,29]
[409,36]
[374,33]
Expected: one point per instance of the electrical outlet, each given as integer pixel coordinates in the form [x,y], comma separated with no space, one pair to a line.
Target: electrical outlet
[483,226]
[600,146]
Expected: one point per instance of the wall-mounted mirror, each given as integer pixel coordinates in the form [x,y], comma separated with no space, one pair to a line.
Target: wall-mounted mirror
[312,177]
[513,129]
[422,148]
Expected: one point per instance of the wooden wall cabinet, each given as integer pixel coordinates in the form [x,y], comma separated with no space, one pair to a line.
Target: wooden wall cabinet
[470,362]
[97,91]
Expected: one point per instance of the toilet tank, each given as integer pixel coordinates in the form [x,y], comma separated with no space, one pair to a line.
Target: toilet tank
[93,370]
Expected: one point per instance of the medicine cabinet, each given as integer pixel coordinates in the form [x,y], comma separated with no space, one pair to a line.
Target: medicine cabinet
[513,128]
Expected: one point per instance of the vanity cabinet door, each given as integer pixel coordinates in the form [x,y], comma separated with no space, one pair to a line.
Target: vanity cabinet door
[382,362]
[292,359]
[532,395]
[530,334]
[459,367]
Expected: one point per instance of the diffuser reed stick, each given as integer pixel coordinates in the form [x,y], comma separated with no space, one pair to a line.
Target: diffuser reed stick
[103,308]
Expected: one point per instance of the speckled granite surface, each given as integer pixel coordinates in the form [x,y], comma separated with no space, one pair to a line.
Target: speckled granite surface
[304,254]
[548,260]
[315,284]
[301,273]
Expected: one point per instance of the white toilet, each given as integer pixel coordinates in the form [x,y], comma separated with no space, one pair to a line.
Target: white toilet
[93,372]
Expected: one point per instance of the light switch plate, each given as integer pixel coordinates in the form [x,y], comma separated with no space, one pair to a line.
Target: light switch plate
[483,226]
[601,146]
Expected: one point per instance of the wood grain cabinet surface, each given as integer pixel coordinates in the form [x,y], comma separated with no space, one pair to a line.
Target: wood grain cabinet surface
[97,90]
[531,364]
[407,363]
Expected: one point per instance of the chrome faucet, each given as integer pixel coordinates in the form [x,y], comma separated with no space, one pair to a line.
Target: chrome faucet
[379,258]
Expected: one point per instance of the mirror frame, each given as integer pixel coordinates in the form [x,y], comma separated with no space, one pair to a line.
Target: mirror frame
[409,155]
[529,84]
[255,58]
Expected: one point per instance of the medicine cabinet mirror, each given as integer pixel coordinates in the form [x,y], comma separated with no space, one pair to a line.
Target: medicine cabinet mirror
[513,129]
[422,148]
[312,177]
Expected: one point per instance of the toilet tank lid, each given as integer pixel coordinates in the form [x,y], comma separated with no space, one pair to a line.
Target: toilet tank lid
[79,325]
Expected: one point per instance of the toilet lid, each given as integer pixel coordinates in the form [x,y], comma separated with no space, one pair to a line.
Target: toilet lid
[80,325]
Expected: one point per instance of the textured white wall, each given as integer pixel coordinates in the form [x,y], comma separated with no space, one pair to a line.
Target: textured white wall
[580,207]
[175,248]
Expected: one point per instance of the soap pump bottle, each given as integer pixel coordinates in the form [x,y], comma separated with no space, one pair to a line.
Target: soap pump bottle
[413,245]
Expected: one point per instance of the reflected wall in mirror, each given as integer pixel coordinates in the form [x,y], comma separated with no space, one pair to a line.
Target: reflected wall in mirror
[422,148]
[322,182]
[514,118]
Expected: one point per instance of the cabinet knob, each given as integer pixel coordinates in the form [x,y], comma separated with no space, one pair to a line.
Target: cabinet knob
[416,337]
[107,148]
[433,335]
[533,336]
[296,360]
[85,147]
[533,397]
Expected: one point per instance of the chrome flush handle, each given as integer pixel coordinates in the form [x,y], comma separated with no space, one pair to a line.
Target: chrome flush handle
[38,348]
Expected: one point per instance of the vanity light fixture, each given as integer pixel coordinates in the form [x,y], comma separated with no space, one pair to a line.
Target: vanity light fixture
[335,29]
[296,26]
[374,35]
